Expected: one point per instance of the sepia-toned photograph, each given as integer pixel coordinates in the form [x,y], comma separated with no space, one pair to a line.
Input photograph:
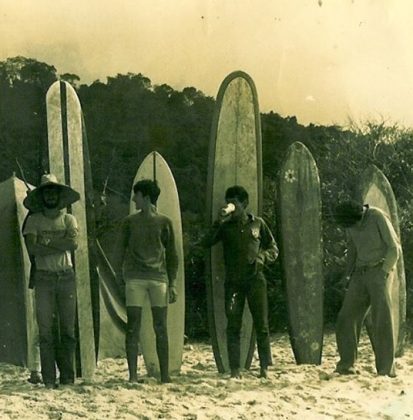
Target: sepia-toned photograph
[206,209]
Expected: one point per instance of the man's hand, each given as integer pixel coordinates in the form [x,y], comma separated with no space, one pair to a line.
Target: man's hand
[344,282]
[223,218]
[42,240]
[259,263]
[173,294]
[121,286]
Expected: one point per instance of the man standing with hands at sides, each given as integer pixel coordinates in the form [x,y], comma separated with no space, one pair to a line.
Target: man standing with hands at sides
[248,245]
[146,262]
[51,235]
[373,250]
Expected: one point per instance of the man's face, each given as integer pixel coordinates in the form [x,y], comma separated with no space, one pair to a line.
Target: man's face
[240,206]
[51,196]
[138,200]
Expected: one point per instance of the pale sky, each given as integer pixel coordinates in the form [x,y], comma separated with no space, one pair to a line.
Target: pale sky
[320,60]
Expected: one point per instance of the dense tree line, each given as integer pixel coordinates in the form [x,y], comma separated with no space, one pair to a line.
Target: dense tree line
[127,117]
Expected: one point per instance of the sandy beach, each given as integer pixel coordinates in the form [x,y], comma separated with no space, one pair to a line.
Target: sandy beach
[199,392]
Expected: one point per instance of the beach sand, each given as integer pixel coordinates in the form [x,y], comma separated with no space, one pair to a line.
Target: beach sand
[199,392]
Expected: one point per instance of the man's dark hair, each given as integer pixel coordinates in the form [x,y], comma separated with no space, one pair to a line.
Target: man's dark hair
[348,213]
[148,188]
[237,191]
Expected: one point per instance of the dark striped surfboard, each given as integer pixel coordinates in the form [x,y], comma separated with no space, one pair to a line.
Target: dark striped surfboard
[66,161]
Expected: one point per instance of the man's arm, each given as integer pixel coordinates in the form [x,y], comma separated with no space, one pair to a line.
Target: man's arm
[34,247]
[64,244]
[33,242]
[391,240]
[70,241]
[351,256]
[120,250]
[171,255]
[213,235]
[268,252]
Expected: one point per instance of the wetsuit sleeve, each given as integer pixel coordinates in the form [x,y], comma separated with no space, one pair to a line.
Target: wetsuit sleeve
[391,240]
[171,255]
[213,236]
[268,252]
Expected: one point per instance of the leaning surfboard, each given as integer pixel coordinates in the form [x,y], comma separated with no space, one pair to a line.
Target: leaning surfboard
[234,159]
[108,308]
[155,167]
[66,160]
[112,310]
[375,190]
[299,203]
[18,327]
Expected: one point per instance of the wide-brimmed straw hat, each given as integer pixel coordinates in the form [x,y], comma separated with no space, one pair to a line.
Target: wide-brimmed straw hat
[34,199]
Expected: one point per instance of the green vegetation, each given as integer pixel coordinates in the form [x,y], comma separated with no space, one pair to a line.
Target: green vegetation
[127,117]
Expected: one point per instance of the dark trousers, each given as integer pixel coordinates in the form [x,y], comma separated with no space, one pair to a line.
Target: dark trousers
[367,288]
[56,297]
[254,289]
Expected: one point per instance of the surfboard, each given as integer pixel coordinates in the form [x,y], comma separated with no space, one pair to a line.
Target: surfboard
[66,161]
[108,308]
[155,167]
[112,310]
[109,311]
[18,327]
[234,159]
[375,190]
[91,238]
[299,202]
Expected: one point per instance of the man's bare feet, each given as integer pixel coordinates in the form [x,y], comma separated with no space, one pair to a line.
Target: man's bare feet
[136,380]
[236,373]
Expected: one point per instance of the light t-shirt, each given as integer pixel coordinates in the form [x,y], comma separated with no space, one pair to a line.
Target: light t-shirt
[64,225]
[374,240]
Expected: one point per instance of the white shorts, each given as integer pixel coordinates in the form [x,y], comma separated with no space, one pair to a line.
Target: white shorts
[136,291]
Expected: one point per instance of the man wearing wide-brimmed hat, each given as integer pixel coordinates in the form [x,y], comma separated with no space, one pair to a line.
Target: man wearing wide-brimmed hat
[51,236]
